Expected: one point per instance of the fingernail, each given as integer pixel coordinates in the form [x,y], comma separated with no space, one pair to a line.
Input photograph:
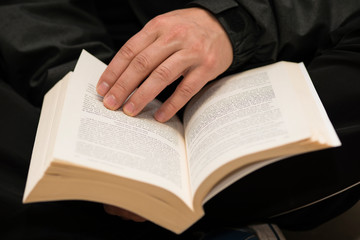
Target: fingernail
[102,88]
[129,108]
[110,101]
[160,116]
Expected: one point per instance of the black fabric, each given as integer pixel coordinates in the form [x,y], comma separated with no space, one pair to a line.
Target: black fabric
[327,209]
[216,7]
[146,10]
[40,43]
[264,31]
[41,40]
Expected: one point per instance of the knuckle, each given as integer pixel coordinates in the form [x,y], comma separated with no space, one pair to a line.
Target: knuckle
[177,34]
[120,88]
[171,106]
[141,63]
[209,62]
[186,90]
[157,21]
[126,51]
[162,73]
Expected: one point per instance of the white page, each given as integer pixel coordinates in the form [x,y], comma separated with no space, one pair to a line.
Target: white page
[42,144]
[240,115]
[316,110]
[110,141]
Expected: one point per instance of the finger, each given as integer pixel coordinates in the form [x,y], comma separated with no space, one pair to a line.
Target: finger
[189,86]
[122,59]
[167,72]
[140,67]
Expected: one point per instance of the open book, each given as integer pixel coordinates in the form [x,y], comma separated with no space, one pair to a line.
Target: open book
[165,172]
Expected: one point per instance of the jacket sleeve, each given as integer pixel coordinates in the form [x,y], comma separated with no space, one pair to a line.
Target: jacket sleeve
[264,31]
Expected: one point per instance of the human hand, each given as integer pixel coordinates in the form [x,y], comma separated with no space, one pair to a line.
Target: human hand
[188,42]
[112,210]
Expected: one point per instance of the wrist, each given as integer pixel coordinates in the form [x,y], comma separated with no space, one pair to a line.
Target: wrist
[239,26]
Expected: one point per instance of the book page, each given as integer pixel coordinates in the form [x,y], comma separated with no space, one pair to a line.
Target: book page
[239,115]
[46,128]
[138,148]
[316,111]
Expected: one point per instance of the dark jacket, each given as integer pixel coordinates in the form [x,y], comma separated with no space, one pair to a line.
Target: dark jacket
[41,40]
[264,31]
